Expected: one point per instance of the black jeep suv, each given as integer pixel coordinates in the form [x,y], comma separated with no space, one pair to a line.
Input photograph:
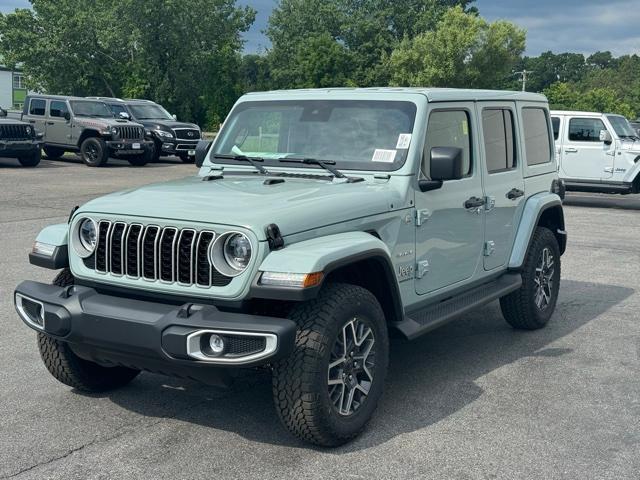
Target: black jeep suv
[170,137]
[19,140]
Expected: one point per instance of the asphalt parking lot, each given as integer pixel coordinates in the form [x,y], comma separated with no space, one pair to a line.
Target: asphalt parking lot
[472,400]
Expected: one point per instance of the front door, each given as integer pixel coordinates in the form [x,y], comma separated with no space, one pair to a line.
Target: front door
[449,236]
[37,114]
[58,127]
[503,182]
[584,155]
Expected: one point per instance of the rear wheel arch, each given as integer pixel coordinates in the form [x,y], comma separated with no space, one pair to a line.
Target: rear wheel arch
[552,218]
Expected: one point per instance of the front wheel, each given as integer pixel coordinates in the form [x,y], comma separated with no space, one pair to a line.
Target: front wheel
[94,152]
[532,305]
[31,159]
[68,368]
[327,390]
[187,158]
[141,160]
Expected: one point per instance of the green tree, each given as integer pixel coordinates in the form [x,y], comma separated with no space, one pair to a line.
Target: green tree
[463,51]
[184,54]
[365,33]
[562,96]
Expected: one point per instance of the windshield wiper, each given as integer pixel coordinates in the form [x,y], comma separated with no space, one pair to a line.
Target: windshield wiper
[243,158]
[326,164]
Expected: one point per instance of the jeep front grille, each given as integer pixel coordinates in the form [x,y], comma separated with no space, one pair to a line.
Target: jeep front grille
[167,254]
[187,133]
[14,132]
[130,133]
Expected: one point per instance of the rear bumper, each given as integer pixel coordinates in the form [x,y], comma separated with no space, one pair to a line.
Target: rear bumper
[153,336]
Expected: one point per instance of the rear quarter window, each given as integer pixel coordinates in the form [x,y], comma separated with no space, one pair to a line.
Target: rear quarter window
[537,139]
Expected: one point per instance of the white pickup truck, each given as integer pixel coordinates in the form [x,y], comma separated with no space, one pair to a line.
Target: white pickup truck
[597,152]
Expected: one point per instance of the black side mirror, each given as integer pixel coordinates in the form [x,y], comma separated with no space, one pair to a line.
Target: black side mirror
[67,116]
[202,148]
[447,163]
[3,112]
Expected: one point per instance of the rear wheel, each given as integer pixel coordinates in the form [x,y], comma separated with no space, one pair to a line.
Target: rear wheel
[68,368]
[327,390]
[94,152]
[187,158]
[53,153]
[30,159]
[532,305]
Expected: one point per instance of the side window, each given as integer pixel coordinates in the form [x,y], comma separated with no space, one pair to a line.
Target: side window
[116,109]
[585,129]
[37,106]
[499,145]
[58,109]
[447,128]
[555,123]
[537,141]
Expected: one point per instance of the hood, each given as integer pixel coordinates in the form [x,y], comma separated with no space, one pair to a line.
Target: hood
[295,205]
[11,121]
[167,124]
[631,146]
[104,122]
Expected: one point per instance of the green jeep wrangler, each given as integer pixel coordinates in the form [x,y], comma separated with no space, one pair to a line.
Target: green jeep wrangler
[321,222]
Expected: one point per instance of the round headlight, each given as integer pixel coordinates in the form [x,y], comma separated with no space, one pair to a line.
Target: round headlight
[114,131]
[28,130]
[86,237]
[237,251]
[231,253]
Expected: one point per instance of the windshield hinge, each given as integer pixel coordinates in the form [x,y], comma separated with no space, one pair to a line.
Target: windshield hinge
[422,216]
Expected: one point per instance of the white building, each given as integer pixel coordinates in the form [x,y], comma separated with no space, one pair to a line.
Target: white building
[12,89]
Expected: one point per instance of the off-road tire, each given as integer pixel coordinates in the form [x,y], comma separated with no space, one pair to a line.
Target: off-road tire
[53,153]
[187,158]
[141,160]
[519,308]
[94,152]
[68,368]
[31,159]
[300,386]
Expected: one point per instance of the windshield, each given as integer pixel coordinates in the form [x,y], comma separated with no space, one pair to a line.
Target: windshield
[356,135]
[622,126]
[149,112]
[90,109]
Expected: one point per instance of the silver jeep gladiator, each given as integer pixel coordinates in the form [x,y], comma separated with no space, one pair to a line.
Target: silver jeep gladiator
[73,124]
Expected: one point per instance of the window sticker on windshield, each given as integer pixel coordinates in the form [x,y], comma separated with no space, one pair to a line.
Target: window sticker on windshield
[386,156]
[465,128]
[404,139]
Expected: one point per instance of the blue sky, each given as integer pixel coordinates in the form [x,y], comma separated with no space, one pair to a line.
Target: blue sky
[583,26]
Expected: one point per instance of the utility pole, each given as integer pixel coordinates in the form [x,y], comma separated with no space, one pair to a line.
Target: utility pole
[523,78]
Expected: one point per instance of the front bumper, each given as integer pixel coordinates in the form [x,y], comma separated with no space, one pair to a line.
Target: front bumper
[18,147]
[152,336]
[178,146]
[126,147]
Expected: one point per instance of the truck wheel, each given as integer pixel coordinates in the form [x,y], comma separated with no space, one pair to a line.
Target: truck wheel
[327,390]
[94,152]
[74,371]
[187,158]
[53,153]
[140,160]
[31,159]
[531,306]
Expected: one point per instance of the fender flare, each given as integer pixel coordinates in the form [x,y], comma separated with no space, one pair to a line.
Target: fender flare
[57,236]
[533,211]
[327,254]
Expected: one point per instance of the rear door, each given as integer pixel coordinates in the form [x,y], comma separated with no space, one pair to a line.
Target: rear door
[584,155]
[502,178]
[58,127]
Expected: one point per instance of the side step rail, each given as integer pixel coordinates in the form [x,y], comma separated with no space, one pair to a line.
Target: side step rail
[419,322]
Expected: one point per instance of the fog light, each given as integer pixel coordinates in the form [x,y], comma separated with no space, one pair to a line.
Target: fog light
[216,344]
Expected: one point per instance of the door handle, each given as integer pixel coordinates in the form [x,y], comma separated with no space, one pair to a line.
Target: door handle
[32,121]
[51,123]
[570,150]
[515,193]
[474,202]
